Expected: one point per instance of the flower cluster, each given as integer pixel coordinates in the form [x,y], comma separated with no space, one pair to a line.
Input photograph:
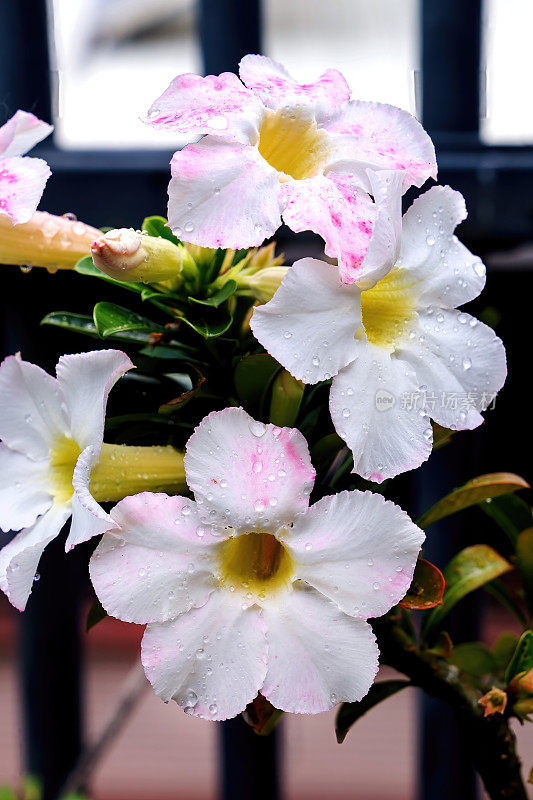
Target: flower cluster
[244,585]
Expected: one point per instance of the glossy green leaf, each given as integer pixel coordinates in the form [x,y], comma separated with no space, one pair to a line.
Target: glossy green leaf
[522,658]
[80,323]
[511,513]
[111,319]
[86,267]
[210,325]
[472,493]
[349,713]
[181,400]
[474,658]
[253,379]
[524,562]
[157,226]
[95,615]
[427,588]
[504,648]
[468,570]
[217,299]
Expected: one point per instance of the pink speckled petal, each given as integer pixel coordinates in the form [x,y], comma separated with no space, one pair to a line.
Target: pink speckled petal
[310,323]
[211,660]
[276,88]
[384,246]
[248,475]
[22,132]
[85,380]
[318,656]
[339,211]
[462,363]
[20,558]
[356,548]
[447,274]
[22,182]
[369,404]
[215,104]
[158,563]
[381,136]
[222,194]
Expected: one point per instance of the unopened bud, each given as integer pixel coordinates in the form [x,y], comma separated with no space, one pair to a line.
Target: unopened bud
[522,708]
[264,284]
[128,255]
[287,394]
[494,702]
[45,241]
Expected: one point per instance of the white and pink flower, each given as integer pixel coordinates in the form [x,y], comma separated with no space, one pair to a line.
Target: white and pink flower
[51,432]
[398,349]
[247,589]
[22,179]
[272,147]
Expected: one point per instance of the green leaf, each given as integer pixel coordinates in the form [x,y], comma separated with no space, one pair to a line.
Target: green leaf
[95,615]
[349,713]
[468,570]
[325,450]
[503,649]
[441,436]
[111,319]
[427,588]
[524,561]
[522,658]
[472,493]
[474,658]
[178,402]
[210,325]
[78,323]
[157,226]
[7,794]
[33,789]
[86,267]
[501,593]
[217,299]
[253,379]
[511,513]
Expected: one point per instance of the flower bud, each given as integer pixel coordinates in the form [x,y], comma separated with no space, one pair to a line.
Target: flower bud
[128,255]
[263,284]
[287,394]
[45,241]
[522,708]
[125,470]
[494,701]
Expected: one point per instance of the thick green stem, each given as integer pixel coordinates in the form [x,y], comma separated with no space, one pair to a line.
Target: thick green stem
[492,745]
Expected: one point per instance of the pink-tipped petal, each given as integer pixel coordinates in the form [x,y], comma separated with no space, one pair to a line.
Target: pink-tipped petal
[85,380]
[211,660]
[381,136]
[337,209]
[222,194]
[318,656]
[462,363]
[22,132]
[20,558]
[215,104]
[371,410]
[24,490]
[88,517]
[31,414]
[276,88]
[247,475]
[446,273]
[22,182]
[309,324]
[158,563]
[358,549]
[384,246]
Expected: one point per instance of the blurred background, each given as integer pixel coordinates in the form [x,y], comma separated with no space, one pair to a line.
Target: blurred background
[93,67]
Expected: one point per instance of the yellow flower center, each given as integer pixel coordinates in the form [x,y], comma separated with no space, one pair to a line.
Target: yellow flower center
[63,458]
[291,143]
[389,309]
[256,563]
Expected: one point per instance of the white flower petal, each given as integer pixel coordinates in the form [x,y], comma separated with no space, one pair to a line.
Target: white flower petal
[20,558]
[462,363]
[88,517]
[211,660]
[85,380]
[447,274]
[366,407]
[356,548]
[309,324]
[158,564]
[223,194]
[276,88]
[31,416]
[24,490]
[384,246]
[22,132]
[247,475]
[381,136]
[318,656]
[22,182]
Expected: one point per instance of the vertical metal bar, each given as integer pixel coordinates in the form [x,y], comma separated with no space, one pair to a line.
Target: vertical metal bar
[228,30]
